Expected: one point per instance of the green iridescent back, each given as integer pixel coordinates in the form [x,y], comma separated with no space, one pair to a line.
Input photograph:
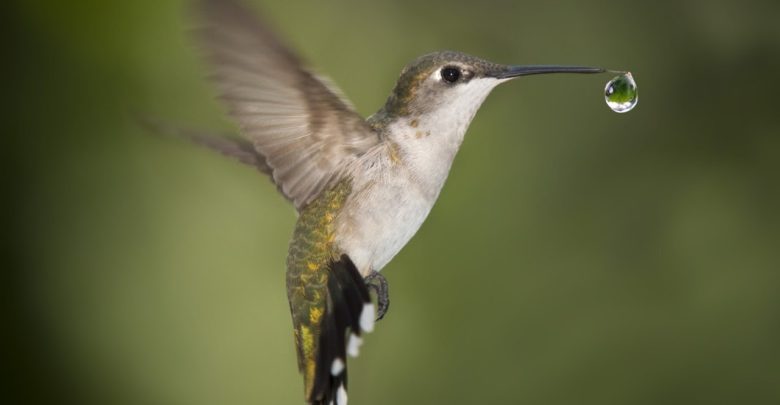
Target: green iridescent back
[311,250]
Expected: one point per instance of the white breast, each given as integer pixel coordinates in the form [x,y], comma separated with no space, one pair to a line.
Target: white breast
[386,208]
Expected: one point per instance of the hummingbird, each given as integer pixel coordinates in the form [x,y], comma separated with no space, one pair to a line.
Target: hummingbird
[362,187]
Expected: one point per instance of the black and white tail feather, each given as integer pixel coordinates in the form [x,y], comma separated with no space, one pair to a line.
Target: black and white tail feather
[349,313]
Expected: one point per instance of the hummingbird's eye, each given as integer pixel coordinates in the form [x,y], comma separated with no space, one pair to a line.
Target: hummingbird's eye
[450,74]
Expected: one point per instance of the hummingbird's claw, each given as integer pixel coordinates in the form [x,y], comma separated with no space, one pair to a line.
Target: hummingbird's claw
[377,282]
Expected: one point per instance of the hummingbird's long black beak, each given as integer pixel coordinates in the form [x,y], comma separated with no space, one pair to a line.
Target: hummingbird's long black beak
[515,71]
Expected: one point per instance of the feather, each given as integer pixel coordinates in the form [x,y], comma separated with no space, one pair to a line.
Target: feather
[284,110]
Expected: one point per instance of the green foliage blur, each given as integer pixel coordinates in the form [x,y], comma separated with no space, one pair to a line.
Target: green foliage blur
[575,256]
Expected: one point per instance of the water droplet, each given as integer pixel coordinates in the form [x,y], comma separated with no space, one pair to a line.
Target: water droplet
[621,94]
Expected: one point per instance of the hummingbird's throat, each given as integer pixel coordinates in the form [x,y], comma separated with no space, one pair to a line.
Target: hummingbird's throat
[449,116]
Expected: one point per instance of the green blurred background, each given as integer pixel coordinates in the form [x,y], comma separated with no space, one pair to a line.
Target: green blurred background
[576,256]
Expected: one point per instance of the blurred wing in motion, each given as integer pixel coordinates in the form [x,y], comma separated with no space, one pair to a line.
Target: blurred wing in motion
[223,143]
[299,123]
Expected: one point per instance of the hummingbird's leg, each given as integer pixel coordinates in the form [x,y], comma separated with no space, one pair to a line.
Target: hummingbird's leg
[377,282]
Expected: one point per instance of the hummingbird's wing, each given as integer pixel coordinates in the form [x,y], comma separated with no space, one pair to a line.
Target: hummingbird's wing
[300,124]
[224,143]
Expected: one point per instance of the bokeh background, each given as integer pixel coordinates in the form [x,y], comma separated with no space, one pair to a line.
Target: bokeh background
[575,256]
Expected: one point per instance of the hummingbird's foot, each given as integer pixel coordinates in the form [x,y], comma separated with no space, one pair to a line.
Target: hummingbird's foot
[377,282]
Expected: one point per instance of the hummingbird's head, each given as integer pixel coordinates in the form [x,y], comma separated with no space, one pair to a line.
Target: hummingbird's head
[445,89]
[441,79]
[433,103]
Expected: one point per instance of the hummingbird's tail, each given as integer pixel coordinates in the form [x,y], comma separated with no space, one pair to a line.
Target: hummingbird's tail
[349,312]
[329,328]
